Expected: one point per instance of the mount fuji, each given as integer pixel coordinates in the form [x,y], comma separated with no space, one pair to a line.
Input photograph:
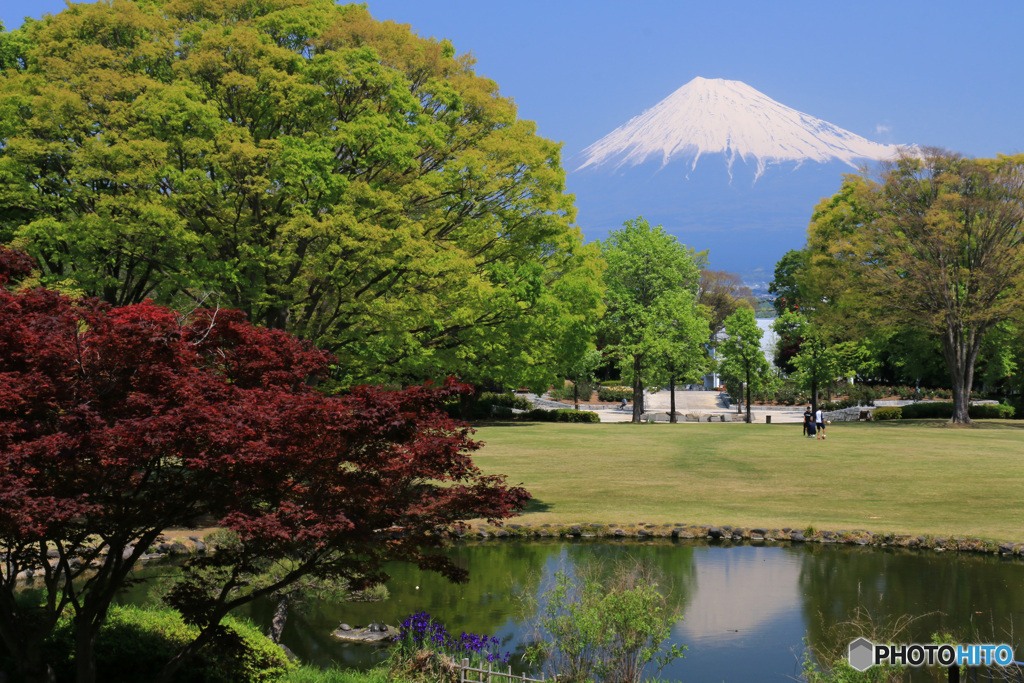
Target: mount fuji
[721,166]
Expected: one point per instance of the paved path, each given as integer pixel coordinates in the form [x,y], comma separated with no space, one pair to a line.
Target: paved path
[704,403]
[688,401]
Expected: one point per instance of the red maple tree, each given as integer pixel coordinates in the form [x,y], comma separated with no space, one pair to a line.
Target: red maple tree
[118,423]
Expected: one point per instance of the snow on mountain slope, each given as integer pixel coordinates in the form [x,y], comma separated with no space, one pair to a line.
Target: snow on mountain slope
[717,116]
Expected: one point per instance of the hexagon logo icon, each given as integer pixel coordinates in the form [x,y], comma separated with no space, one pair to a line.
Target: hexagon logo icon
[862,654]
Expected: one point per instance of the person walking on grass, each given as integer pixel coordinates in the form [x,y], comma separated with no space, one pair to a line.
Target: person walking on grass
[808,423]
[819,423]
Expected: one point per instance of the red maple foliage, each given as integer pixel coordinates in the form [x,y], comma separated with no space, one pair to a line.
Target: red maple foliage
[118,423]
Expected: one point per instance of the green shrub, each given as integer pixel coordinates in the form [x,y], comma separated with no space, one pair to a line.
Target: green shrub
[482,406]
[560,415]
[921,411]
[311,674]
[565,393]
[135,643]
[507,400]
[893,413]
[570,415]
[609,630]
[614,394]
[999,411]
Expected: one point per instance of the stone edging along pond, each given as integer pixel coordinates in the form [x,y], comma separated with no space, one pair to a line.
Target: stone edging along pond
[181,547]
[726,532]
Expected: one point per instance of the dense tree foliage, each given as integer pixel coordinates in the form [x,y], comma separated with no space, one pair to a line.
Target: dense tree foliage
[816,359]
[785,285]
[744,366]
[722,293]
[936,243]
[327,174]
[119,422]
[653,324]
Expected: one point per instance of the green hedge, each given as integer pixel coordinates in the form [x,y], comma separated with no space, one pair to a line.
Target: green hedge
[944,410]
[561,415]
[887,414]
[134,644]
[481,407]
[614,394]
[917,411]
[998,411]
[506,400]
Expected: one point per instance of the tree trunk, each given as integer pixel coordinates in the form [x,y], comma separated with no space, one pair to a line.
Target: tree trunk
[576,394]
[748,393]
[814,395]
[85,657]
[638,389]
[672,390]
[961,351]
[280,617]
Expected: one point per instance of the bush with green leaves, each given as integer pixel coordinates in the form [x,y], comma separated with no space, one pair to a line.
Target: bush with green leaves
[565,393]
[560,415]
[989,411]
[508,400]
[135,643]
[311,674]
[888,413]
[840,671]
[863,394]
[614,394]
[930,410]
[603,631]
[570,415]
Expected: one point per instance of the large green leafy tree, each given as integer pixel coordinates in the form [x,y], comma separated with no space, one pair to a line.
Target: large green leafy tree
[937,243]
[817,358]
[744,366]
[683,356]
[785,284]
[327,174]
[826,280]
[651,302]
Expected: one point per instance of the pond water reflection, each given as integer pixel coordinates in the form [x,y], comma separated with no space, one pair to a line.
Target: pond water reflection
[746,608]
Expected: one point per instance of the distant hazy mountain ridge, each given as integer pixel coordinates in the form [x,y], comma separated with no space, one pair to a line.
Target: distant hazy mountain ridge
[716,116]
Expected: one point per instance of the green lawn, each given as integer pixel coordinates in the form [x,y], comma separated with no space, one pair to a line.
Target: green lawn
[920,477]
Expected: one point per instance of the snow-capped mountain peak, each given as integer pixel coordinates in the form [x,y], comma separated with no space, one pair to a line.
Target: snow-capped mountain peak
[717,116]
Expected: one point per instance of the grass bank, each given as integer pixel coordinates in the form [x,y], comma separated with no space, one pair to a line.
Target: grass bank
[920,477]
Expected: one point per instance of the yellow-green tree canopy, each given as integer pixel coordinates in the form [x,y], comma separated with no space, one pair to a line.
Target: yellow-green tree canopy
[936,242]
[326,173]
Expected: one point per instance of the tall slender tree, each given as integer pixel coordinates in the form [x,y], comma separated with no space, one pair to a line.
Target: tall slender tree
[651,282]
[744,365]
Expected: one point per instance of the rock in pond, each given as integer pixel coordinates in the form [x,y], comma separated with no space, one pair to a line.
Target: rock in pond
[374,633]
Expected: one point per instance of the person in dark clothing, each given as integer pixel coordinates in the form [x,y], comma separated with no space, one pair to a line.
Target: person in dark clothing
[808,422]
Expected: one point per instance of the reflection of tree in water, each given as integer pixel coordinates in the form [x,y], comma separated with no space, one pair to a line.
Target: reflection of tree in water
[672,563]
[484,605]
[487,604]
[971,596]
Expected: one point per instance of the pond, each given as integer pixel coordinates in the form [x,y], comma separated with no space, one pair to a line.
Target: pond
[746,608]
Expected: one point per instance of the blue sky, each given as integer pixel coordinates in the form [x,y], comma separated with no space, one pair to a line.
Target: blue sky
[941,73]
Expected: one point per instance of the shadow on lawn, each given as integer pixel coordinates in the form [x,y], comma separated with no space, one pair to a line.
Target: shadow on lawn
[504,423]
[946,424]
[536,505]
